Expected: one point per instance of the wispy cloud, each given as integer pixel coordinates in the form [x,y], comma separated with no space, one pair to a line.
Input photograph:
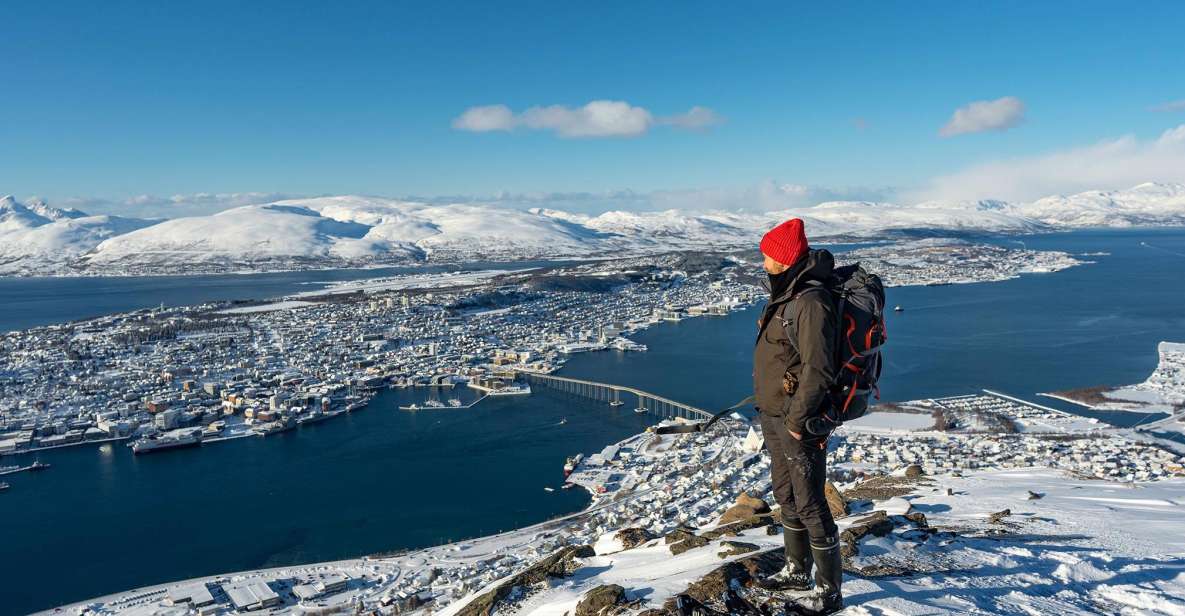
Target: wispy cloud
[695,118]
[600,118]
[175,206]
[768,195]
[1169,107]
[981,116]
[1111,164]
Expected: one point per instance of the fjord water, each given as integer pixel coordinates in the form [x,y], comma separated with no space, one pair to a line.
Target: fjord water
[102,520]
[1095,324]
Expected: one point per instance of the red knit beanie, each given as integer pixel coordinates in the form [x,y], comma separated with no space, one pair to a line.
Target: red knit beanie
[785,243]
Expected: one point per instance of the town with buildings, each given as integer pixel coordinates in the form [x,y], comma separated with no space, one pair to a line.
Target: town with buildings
[193,375]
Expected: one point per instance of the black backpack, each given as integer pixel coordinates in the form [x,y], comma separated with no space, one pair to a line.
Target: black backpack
[859,335]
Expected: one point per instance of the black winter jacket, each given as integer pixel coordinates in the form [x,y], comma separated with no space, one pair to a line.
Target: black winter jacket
[810,358]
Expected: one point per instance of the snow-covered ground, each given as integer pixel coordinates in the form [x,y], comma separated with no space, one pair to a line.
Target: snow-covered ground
[889,423]
[268,307]
[354,231]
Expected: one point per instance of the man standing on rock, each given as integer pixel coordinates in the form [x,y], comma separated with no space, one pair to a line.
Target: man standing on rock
[793,370]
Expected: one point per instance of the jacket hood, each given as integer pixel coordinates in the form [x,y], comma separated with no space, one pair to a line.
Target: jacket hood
[819,265]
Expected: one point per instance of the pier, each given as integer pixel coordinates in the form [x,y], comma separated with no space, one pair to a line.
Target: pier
[610,393]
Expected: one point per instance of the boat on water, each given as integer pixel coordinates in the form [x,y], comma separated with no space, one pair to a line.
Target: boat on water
[410,407]
[37,465]
[274,427]
[161,442]
[510,390]
[313,417]
[453,402]
[571,464]
[4,486]
[434,404]
[641,409]
[898,309]
[548,489]
[616,403]
[563,420]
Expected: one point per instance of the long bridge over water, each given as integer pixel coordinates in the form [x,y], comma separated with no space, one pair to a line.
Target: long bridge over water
[611,394]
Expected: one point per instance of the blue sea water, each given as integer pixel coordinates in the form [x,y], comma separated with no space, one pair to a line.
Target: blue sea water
[102,520]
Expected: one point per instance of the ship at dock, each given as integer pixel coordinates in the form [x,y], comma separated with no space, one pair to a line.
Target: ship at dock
[274,427]
[172,440]
[571,464]
[35,466]
[511,390]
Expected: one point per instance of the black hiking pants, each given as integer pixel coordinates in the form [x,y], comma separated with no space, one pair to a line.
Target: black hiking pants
[798,470]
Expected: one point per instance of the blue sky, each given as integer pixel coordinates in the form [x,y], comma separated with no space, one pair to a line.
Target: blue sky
[112,100]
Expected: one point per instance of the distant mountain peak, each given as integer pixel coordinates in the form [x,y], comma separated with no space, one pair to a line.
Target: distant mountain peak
[350,231]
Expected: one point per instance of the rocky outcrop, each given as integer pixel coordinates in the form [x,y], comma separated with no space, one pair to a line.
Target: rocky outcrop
[559,564]
[999,516]
[680,540]
[877,524]
[735,548]
[742,572]
[631,538]
[734,529]
[746,506]
[836,501]
[601,601]
[884,487]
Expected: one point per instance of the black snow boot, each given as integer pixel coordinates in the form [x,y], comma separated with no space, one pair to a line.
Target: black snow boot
[797,574]
[828,578]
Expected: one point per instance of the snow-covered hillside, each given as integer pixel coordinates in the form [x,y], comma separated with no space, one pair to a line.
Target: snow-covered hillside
[1146,204]
[38,239]
[357,231]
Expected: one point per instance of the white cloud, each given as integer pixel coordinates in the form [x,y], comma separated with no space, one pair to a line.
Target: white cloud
[1111,164]
[695,118]
[175,206]
[596,119]
[1170,106]
[768,195]
[600,118]
[484,119]
[979,116]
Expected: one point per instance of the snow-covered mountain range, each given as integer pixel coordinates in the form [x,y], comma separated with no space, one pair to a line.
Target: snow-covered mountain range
[36,239]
